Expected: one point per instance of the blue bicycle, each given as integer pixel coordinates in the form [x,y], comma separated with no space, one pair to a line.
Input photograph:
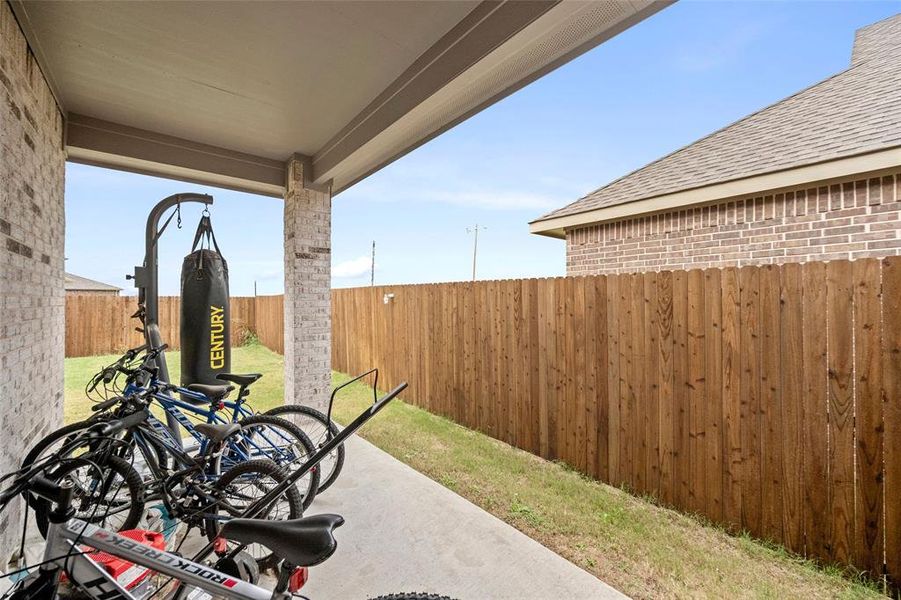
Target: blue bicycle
[259,436]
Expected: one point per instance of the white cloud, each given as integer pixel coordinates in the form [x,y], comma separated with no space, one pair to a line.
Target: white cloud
[352,268]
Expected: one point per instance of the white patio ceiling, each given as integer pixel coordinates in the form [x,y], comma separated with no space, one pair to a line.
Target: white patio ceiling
[223,93]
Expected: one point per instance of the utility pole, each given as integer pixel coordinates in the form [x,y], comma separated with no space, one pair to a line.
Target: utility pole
[254,288]
[372,270]
[475,246]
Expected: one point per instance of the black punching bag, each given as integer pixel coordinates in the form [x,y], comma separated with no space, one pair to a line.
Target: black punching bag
[205,335]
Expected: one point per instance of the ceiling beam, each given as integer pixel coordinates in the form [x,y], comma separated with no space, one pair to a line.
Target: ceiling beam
[481,32]
[101,143]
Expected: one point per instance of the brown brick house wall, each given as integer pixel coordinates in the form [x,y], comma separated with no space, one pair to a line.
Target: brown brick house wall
[846,220]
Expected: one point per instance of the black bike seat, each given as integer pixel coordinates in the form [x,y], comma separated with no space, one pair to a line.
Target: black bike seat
[301,542]
[216,432]
[213,392]
[240,379]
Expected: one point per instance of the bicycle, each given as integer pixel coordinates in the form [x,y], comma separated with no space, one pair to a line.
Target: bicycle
[297,543]
[261,436]
[196,490]
[313,423]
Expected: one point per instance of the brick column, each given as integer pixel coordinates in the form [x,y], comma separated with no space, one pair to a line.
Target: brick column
[308,232]
[32,236]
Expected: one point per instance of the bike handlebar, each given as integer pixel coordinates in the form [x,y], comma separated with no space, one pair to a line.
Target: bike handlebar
[111,428]
[33,481]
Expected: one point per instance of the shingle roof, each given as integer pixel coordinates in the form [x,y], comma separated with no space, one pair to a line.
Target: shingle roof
[853,112]
[83,284]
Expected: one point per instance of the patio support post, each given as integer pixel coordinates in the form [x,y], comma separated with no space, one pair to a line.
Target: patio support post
[307,287]
[32,242]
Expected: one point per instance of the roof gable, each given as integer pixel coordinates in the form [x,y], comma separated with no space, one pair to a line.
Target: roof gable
[854,112]
[75,283]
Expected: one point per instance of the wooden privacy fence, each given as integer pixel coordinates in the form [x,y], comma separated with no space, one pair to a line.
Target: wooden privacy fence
[103,324]
[765,398]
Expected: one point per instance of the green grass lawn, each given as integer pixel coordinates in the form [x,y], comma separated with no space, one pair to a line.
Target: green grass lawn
[634,545]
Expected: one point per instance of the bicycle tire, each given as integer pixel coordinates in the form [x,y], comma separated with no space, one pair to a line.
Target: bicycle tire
[328,469]
[288,458]
[411,596]
[68,434]
[256,469]
[131,481]
[68,431]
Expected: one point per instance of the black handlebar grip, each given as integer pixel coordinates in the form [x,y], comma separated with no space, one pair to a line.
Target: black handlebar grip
[43,487]
[136,418]
[105,405]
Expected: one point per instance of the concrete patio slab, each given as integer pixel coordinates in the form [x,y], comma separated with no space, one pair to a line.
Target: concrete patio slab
[404,532]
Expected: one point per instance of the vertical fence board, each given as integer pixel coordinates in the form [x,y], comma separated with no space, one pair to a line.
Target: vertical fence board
[816,506]
[731,395]
[714,399]
[792,407]
[841,407]
[681,414]
[697,398]
[667,413]
[626,381]
[613,376]
[891,403]
[652,370]
[868,417]
[638,394]
[560,424]
[601,360]
[750,401]
[771,402]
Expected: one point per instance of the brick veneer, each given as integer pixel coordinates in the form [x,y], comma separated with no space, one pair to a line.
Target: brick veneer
[32,231]
[845,220]
[308,260]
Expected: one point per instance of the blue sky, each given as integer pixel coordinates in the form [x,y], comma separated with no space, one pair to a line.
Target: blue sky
[678,76]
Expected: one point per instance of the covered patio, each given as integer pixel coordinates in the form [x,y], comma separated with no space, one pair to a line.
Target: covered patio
[292,100]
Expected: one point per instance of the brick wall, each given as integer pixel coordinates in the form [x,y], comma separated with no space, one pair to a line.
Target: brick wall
[847,220]
[32,229]
[308,326]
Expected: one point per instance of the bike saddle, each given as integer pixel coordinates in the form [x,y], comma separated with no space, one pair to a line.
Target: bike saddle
[213,392]
[216,432]
[240,379]
[301,542]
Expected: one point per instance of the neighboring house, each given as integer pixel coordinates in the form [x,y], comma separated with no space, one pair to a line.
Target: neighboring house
[82,286]
[816,176]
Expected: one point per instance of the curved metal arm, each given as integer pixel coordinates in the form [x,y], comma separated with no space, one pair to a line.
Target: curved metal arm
[147,281]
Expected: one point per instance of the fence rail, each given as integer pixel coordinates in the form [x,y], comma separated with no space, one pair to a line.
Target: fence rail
[765,398]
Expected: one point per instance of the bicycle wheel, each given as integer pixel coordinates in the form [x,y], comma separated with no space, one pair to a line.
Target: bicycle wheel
[241,486]
[319,429]
[67,438]
[274,438]
[411,596]
[56,440]
[108,492]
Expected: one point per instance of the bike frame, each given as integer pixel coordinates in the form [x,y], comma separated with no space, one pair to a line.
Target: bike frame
[63,553]
[175,408]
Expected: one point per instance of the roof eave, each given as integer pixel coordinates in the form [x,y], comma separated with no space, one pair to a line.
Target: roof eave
[844,167]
